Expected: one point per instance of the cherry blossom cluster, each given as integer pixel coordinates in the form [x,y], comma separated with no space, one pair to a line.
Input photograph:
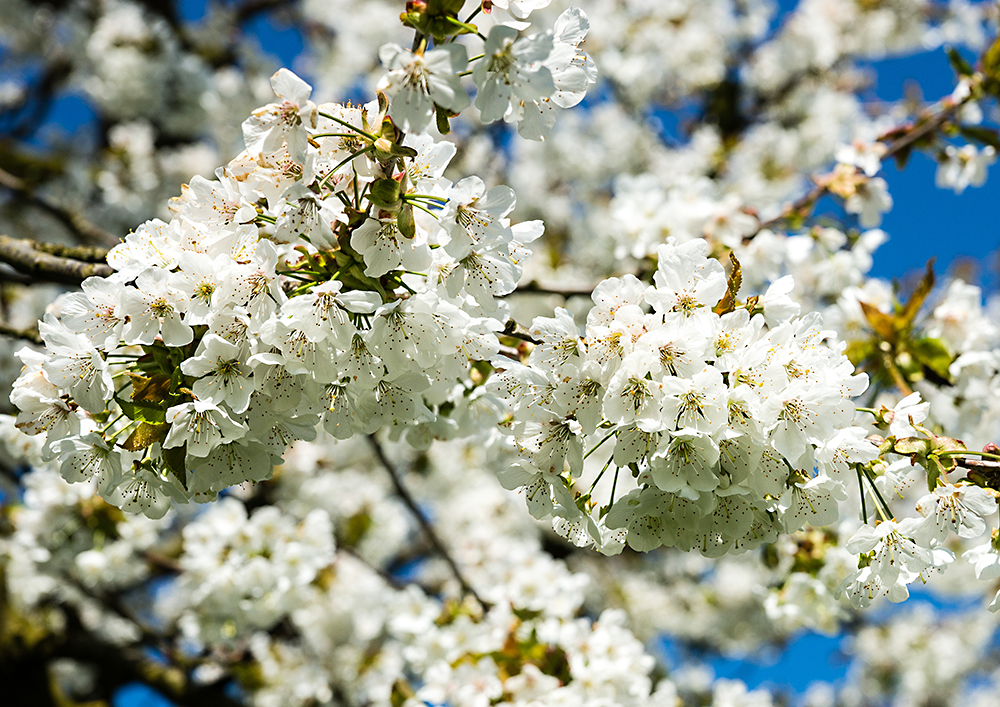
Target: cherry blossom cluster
[519,79]
[729,423]
[328,275]
[244,573]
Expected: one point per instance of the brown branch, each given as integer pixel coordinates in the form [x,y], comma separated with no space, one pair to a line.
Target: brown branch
[10,277]
[535,289]
[250,8]
[507,351]
[425,525]
[31,334]
[163,562]
[75,222]
[967,463]
[516,331]
[86,253]
[910,135]
[121,665]
[23,257]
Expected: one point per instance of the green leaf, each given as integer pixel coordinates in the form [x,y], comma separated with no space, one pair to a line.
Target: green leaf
[144,411]
[176,380]
[882,323]
[959,63]
[991,60]
[977,133]
[933,354]
[173,459]
[728,302]
[145,435]
[153,389]
[858,351]
[906,315]
[161,355]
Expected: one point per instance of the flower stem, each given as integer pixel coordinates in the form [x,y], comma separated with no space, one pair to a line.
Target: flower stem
[965,452]
[883,508]
[342,163]
[359,131]
[861,489]
[594,448]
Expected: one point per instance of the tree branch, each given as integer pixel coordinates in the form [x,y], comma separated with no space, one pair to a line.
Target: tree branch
[23,257]
[250,8]
[516,331]
[536,289]
[908,135]
[86,253]
[30,334]
[75,222]
[126,664]
[425,525]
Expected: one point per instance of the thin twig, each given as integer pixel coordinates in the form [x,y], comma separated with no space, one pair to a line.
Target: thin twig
[889,361]
[386,577]
[913,133]
[425,525]
[507,351]
[124,664]
[22,256]
[516,331]
[167,564]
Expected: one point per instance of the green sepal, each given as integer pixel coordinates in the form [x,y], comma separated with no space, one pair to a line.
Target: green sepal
[908,446]
[441,116]
[959,63]
[405,222]
[385,193]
